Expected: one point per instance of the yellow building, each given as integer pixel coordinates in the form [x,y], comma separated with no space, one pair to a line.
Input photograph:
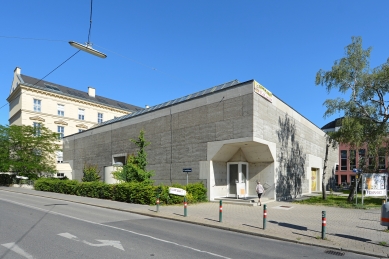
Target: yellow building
[61,109]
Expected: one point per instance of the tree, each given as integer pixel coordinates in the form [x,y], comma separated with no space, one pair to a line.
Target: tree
[330,142]
[366,113]
[28,150]
[135,169]
[91,173]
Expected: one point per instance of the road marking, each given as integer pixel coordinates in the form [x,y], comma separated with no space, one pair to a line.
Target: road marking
[69,236]
[106,243]
[15,248]
[122,229]
[113,243]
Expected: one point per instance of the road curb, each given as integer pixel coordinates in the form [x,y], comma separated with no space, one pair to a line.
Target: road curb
[186,220]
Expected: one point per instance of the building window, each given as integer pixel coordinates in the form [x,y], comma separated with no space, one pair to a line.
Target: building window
[362,154]
[81,114]
[371,162]
[59,157]
[353,163]
[60,175]
[99,117]
[381,159]
[37,105]
[343,179]
[37,128]
[343,160]
[61,110]
[60,131]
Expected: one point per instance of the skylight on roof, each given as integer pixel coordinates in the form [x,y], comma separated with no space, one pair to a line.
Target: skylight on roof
[52,87]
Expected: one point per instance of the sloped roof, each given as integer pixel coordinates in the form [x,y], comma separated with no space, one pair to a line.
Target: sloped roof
[67,91]
[174,102]
[333,124]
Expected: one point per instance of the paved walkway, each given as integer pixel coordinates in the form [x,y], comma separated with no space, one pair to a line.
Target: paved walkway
[353,230]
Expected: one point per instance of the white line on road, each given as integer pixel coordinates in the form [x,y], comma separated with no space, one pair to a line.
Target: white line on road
[14,247]
[125,230]
[103,242]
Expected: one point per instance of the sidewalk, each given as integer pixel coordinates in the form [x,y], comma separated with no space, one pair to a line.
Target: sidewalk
[352,230]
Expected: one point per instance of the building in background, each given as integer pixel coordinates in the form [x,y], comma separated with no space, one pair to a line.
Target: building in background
[349,159]
[61,109]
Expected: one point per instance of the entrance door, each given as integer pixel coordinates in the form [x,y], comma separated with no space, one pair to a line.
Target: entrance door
[237,173]
[313,179]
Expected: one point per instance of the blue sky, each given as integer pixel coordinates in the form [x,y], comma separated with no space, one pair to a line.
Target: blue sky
[161,50]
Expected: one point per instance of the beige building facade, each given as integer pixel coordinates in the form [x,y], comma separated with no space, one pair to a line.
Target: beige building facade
[61,109]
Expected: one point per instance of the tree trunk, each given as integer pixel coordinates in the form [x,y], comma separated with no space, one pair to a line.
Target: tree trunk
[323,186]
[351,195]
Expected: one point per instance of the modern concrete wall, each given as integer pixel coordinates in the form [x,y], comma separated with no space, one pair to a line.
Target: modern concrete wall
[279,145]
[178,135]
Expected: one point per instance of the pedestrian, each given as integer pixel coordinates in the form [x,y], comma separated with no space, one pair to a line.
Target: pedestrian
[260,190]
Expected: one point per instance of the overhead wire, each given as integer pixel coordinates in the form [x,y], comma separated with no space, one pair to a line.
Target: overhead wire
[116,53]
[45,75]
[90,21]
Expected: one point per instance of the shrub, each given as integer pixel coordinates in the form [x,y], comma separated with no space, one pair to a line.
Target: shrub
[91,173]
[132,192]
[6,179]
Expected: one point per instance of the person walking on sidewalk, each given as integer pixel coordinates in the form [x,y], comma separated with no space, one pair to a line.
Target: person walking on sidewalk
[260,190]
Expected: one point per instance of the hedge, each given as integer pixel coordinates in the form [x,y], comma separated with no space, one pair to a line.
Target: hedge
[131,192]
[7,179]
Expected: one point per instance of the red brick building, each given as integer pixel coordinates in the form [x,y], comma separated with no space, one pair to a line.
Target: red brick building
[349,159]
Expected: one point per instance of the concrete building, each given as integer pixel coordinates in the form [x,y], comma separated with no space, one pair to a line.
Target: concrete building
[230,135]
[61,109]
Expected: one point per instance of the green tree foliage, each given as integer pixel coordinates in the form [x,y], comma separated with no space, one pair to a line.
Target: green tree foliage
[135,169]
[366,111]
[91,173]
[27,150]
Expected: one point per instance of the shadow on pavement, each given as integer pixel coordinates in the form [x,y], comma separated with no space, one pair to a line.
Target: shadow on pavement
[370,228]
[178,214]
[352,237]
[287,225]
[370,220]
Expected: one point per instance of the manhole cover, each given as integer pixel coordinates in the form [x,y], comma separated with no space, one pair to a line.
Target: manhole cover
[331,252]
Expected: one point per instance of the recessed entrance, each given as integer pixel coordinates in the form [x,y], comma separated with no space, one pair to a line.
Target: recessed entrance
[237,183]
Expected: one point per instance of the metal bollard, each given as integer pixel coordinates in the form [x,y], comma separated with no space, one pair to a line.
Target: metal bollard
[185,207]
[264,216]
[220,211]
[157,202]
[323,224]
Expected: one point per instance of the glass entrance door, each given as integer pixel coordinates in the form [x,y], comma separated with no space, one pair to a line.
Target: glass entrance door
[313,179]
[237,179]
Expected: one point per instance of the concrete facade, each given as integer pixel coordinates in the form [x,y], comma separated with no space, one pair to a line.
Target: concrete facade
[235,134]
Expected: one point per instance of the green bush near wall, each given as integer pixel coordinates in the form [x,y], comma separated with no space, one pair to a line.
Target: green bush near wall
[131,192]
[6,179]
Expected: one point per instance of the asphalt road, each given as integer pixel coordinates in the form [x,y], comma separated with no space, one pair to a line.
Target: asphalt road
[38,228]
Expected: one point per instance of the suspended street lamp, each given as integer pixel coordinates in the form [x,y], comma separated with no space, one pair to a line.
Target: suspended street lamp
[88,46]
